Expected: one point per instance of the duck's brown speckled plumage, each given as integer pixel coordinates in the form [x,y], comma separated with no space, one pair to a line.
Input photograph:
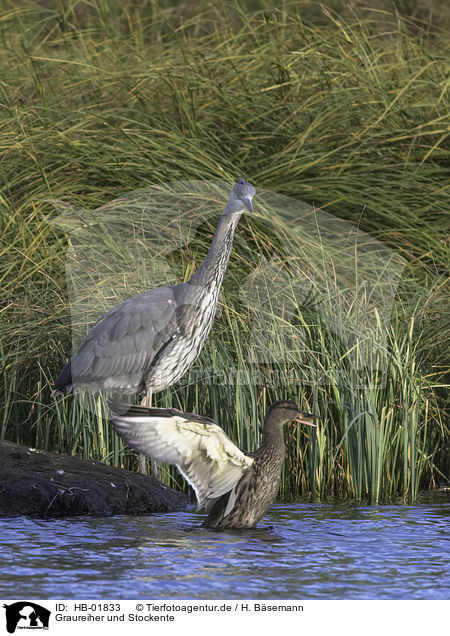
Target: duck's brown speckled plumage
[259,486]
[236,488]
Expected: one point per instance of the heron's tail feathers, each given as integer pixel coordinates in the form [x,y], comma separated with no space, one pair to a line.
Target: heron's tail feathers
[63,384]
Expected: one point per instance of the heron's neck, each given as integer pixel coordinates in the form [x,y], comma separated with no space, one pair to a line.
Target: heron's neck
[211,271]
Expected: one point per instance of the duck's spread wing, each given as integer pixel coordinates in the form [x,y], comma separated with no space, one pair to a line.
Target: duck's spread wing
[200,449]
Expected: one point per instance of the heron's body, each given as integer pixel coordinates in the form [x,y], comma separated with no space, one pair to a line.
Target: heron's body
[149,341]
[236,488]
[132,349]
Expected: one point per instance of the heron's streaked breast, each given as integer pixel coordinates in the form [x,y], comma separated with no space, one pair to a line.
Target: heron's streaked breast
[185,345]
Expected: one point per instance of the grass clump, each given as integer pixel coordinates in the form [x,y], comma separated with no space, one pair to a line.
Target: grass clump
[344,111]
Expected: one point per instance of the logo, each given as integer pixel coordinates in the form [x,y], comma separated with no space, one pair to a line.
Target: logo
[26,615]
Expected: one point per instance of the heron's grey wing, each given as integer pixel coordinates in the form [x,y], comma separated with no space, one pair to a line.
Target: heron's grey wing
[125,340]
[200,449]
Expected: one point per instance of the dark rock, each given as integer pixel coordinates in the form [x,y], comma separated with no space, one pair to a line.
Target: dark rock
[42,484]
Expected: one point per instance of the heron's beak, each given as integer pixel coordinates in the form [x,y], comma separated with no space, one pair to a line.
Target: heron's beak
[307,418]
[248,203]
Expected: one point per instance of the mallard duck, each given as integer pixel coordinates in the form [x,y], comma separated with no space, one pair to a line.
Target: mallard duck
[235,487]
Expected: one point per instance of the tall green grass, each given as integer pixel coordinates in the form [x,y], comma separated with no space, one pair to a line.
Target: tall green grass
[345,111]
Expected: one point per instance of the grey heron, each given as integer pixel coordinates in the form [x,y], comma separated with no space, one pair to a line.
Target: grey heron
[149,341]
[236,488]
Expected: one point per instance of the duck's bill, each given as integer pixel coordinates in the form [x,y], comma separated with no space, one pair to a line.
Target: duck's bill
[307,418]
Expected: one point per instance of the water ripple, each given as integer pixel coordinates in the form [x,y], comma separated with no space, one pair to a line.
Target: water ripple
[300,551]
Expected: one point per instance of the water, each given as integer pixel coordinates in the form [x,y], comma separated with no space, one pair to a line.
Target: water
[299,551]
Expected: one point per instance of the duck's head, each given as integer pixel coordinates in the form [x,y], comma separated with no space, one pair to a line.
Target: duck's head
[284,411]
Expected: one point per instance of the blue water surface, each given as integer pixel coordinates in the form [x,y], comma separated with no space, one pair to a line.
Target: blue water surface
[299,551]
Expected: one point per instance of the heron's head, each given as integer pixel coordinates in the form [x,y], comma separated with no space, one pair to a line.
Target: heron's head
[284,411]
[241,197]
